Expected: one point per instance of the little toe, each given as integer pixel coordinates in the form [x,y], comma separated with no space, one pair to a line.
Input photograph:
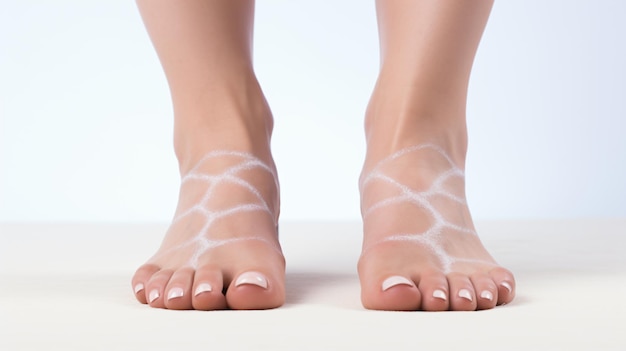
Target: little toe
[254,290]
[434,289]
[505,282]
[178,290]
[140,280]
[207,289]
[485,290]
[156,287]
[462,294]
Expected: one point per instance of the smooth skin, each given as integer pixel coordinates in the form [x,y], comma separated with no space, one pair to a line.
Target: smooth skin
[427,51]
[205,48]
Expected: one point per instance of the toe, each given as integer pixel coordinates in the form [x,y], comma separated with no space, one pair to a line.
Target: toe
[462,294]
[505,283]
[386,282]
[393,293]
[435,292]
[155,288]
[207,289]
[390,292]
[178,291]
[140,280]
[485,290]
[255,290]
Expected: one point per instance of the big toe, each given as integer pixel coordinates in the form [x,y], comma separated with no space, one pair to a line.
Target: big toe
[256,290]
[385,285]
[391,293]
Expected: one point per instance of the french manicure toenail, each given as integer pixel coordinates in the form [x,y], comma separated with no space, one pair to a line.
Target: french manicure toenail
[486,294]
[507,286]
[154,294]
[253,278]
[174,293]
[466,294]
[138,288]
[202,288]
[396,280]
[440,294]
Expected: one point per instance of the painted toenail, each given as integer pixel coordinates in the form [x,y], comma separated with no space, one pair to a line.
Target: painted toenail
[154,294]
[138,288]
[486,294]
[202,288]
[440,294]
[253,278]
[396,280]
[174,293]
[507,286]
[466,294]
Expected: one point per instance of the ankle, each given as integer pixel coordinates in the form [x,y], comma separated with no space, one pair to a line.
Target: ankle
[399,118]
[225,117]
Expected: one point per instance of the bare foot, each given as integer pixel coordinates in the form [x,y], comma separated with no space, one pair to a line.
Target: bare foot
[221,249]
[420,249]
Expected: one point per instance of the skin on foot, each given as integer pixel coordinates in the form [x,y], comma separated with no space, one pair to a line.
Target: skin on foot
[221,250]
[420,248]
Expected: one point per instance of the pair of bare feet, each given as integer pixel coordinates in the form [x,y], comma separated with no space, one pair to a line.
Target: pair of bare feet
[420,248]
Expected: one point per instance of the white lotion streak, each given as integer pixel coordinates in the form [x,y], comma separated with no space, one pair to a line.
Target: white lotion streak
[230,176]
[424,200]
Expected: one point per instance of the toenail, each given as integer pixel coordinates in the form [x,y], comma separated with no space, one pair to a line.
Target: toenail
[154,294]
[138,288]
[486,294]
[507,286]
[440,294]
[396,280]
[202,288]
[174,293]
[466,294]
[253,278]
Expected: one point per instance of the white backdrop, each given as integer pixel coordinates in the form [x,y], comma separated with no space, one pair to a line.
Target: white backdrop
[86,118]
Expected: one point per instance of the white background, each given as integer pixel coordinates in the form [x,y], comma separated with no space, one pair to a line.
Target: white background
[85,129]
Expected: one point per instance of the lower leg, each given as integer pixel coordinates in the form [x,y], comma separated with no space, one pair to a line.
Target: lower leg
[221,249]
[412,183]
[205,48]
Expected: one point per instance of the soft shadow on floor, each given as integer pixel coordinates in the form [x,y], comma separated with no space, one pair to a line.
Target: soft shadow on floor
[303,287]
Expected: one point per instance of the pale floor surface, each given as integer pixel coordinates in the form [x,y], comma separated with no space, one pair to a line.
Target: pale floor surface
[67,287]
